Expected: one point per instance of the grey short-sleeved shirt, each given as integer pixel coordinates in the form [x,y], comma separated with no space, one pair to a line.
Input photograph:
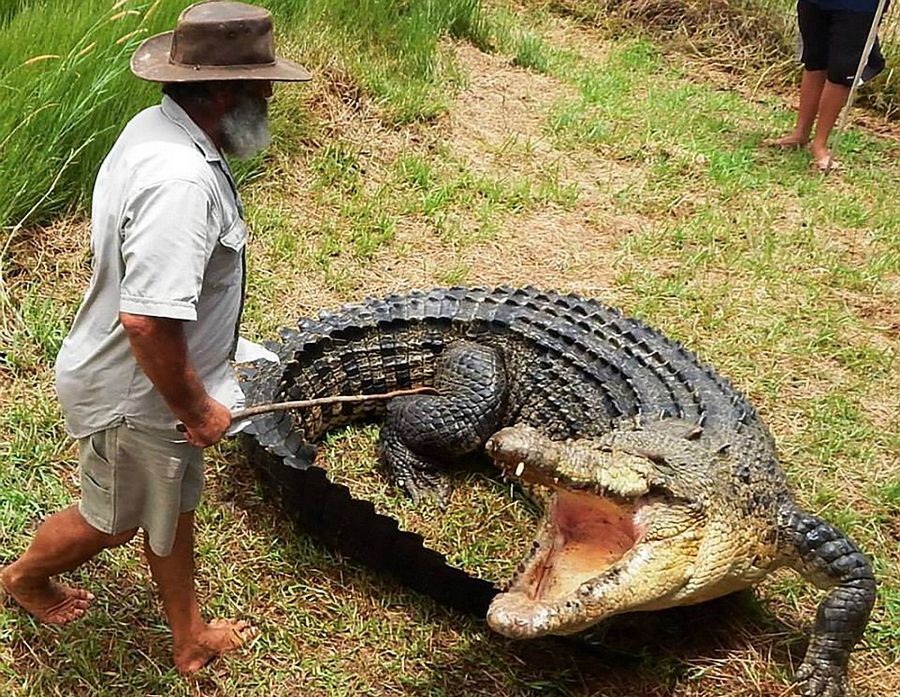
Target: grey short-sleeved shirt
[167,238]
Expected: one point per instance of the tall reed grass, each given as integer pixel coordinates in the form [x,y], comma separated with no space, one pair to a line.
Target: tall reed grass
[66,92]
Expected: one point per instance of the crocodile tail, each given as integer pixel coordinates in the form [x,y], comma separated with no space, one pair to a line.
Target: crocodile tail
[328,511]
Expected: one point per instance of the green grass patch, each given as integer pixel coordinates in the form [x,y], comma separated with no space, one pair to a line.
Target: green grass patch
[67,91]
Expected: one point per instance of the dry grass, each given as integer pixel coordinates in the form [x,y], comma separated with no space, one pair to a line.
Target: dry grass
[59,251]
[495,128]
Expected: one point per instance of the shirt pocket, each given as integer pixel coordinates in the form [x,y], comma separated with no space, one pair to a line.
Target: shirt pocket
[225,268]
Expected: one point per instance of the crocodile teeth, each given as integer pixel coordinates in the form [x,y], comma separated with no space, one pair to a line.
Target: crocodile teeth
[520,468]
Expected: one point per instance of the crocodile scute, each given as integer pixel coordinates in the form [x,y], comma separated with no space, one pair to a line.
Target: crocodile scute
[664,486]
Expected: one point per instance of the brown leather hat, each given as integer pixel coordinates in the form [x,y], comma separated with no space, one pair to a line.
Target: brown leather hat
[216,41]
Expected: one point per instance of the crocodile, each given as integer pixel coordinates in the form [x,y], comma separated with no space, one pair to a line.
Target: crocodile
[662,484]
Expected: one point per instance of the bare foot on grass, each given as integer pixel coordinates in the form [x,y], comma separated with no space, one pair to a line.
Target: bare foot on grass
[50,602]
[822,160]
[788,142]
[216,638]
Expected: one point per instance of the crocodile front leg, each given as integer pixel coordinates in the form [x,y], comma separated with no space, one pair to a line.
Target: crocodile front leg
[423,434]
[827,557]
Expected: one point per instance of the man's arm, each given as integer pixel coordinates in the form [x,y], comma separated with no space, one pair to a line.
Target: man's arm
[160,348]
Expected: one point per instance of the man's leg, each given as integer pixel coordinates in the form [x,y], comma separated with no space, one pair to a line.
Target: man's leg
[195,642]
[834,96]
[848,33]
[63,542]
[814,25]
[811,86]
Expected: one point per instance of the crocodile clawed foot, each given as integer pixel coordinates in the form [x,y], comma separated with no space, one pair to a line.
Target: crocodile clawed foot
[426,487]
[821,680]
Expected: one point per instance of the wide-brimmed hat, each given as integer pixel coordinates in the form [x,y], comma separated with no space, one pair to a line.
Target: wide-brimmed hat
[216,41]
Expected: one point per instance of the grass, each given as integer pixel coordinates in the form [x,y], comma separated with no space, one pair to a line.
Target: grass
[67,90]
[755,39]
[610,167]
[65,95]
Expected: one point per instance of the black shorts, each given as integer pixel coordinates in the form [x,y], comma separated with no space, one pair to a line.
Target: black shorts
[833,40]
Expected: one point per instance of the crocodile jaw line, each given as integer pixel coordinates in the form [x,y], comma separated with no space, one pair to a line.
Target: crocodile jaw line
[582,534]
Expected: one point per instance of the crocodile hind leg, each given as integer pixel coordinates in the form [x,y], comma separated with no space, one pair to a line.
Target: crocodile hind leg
[423,434]
[827,557]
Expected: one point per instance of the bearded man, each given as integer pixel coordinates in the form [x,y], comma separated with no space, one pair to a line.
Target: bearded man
[152,343]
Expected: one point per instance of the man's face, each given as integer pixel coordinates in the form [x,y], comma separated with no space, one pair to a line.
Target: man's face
[244,126]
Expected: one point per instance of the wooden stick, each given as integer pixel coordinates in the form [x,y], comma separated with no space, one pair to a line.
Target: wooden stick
[319,401]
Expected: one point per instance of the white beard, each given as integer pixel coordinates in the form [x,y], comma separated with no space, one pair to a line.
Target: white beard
[245,129]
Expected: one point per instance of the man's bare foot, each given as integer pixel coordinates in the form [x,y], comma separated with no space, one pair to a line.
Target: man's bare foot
[788,142]
[50,602]
[215,639]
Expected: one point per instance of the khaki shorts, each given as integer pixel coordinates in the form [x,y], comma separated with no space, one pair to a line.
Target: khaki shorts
[131,479]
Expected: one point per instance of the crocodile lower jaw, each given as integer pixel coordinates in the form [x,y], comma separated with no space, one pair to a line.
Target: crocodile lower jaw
[582,535]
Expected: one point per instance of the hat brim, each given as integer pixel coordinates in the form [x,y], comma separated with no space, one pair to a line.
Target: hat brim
[151,62]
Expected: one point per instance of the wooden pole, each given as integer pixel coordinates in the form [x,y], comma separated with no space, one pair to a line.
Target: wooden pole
[324,401]
[319,401]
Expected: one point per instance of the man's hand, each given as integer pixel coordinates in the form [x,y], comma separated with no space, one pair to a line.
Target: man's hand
[160,349]
[210,424]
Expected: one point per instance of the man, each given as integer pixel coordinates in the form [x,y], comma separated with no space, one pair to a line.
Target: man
[151,343]
[834,34]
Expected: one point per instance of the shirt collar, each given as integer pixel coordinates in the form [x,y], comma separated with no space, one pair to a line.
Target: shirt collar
[179,116]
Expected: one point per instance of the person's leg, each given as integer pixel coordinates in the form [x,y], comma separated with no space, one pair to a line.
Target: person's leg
[63,542]
[814,25]
[811,86]
[195,642]
[834,97]
[848,33]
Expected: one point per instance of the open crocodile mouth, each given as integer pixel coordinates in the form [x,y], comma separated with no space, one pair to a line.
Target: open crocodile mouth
[581,534]
[585,530]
